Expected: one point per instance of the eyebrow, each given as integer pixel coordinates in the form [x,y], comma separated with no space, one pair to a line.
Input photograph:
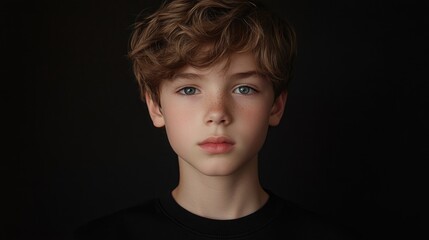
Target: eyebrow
[235,76]
[186,76]
[243,75]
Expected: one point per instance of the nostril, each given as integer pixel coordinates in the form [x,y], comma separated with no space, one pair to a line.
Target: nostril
[217,113]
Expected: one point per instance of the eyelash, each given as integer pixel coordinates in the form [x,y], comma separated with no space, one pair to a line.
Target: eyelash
[185,90]
[250,89]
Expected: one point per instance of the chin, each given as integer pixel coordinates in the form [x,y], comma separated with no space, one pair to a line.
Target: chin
[219,168]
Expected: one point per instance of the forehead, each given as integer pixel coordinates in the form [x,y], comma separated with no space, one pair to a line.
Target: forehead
[235,63]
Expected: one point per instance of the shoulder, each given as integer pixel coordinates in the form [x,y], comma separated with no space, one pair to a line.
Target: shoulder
[307,224]
[121,223]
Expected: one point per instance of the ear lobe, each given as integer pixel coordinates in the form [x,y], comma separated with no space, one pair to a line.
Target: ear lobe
[154,111]
[278,109]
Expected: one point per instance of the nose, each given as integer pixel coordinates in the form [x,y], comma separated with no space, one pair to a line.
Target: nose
[218,111]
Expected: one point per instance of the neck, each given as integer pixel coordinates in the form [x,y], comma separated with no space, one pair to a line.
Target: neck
[220,197]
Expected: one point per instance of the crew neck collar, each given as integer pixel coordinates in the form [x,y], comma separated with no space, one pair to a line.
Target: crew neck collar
[226,228]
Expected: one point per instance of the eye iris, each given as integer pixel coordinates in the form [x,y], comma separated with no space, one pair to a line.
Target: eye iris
[243,90]
[189,91]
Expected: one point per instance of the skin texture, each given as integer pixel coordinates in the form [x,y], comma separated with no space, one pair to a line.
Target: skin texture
[217,120]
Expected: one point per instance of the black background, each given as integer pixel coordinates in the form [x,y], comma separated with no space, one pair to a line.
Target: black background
[78,142]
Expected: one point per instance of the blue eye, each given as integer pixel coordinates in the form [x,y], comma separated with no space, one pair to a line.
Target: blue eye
[188,91]
[244,90]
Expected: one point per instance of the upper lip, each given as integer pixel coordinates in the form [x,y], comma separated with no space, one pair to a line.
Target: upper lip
[217,139]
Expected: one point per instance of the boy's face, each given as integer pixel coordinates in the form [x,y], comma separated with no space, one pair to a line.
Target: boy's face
[217,118]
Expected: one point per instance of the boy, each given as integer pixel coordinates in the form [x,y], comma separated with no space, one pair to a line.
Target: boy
[214,74]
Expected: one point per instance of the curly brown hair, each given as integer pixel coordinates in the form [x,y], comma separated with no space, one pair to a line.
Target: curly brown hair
[200,33]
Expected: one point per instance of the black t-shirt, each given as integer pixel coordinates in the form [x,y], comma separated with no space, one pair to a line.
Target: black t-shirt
[163,218]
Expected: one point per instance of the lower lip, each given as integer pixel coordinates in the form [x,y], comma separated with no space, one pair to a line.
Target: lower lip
[216,148]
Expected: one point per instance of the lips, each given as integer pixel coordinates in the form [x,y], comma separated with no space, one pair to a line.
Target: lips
[217,145]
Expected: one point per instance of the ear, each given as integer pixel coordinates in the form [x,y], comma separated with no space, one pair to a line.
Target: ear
[278,109]
[154,111]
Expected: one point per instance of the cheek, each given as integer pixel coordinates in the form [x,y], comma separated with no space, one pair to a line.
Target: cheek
[175,117]
[256,113]
[178,125]
[253,124]
[177,113]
